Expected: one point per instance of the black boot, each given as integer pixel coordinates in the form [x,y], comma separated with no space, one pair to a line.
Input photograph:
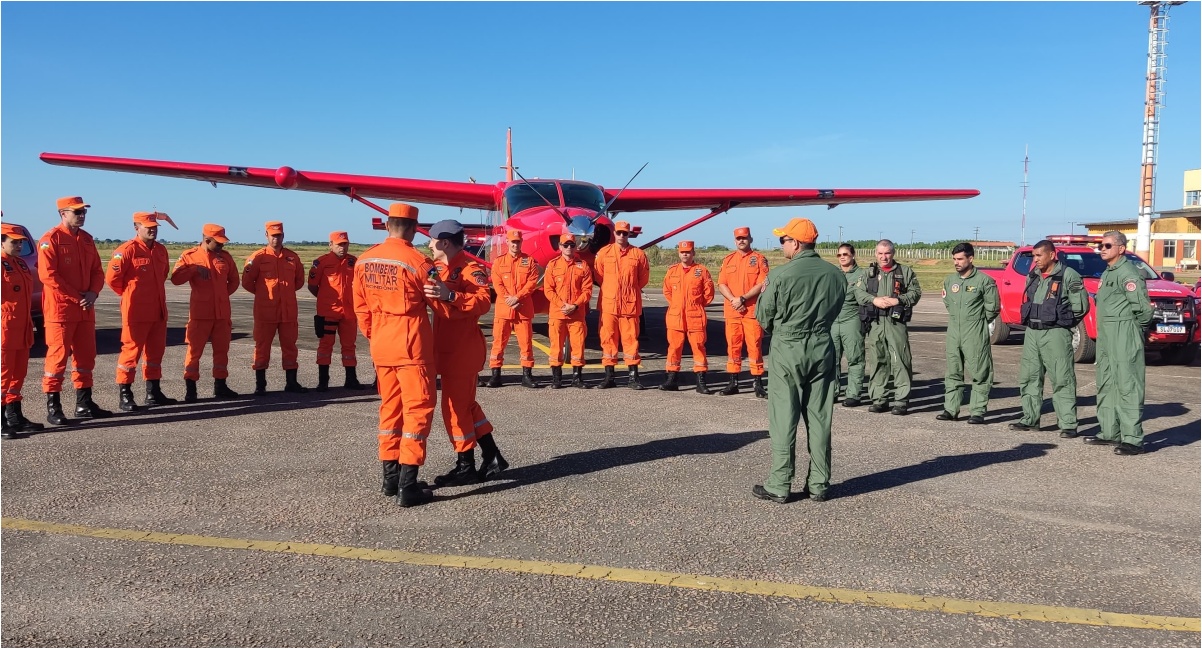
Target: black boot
[155,396]
[732,386]
[352,380]
[410,493]
[495,380]
[491,462]
[669,384]
[757,384]
[54,410]
[528,378]
[85,408]
[632,380]
[464,472]
[260,382]
[578,377]
[702,388]
[223,391]
[556,377]
[126,395]
[190,391]
[608,381]
[11,423]
[323,378]
[392,477]
[20,423]
[291,384]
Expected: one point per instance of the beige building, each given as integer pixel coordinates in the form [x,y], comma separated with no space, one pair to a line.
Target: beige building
[1176,234]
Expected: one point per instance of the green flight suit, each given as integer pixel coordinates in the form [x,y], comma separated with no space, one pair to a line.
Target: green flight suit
[797,308]
[1050,351]
[888,339]
[1124,313]
[849,337]
[972,303]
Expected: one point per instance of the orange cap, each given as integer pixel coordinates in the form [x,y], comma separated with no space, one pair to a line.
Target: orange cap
[621,226]
[402,211]
[216,232]
[274,227]
[798,229]
[12,231]
[339,237]
[71,203]
[147,218]
[514,235]
[742,232]
[685,246]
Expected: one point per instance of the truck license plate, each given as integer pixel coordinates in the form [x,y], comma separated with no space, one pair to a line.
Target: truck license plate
[1170,329]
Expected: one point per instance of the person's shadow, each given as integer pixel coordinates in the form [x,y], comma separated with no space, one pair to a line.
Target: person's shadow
[934,468]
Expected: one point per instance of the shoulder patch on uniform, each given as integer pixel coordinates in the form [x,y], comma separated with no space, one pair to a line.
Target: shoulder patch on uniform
[752,261]
[45,245]
[697,272]
[480,277]
[1130,285]
[525,261]
[117,255]
[316,262]
[945,292]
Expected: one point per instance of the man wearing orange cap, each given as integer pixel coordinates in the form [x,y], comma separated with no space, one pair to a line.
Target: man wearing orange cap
[797,308]
[568,285]
[887,293]
[16,329]
[138,273]
[622,271]
[213,277]
[274,274]
[72,278]
[330,282]
[514,278]
[740,281]
[689,289]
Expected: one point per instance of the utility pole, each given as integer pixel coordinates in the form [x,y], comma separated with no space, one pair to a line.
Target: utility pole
[1072,228]
[1026,160]
[840,234]
[976,233]
[912,238]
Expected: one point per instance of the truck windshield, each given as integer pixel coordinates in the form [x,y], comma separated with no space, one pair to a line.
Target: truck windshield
[1091,264]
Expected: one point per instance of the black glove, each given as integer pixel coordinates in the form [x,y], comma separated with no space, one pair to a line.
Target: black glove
[319,326]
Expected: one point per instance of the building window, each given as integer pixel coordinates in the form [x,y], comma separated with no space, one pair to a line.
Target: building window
[1191,197]
[1189,250]
[1170,249]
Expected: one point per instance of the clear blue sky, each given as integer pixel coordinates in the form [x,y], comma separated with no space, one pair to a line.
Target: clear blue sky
[844,95]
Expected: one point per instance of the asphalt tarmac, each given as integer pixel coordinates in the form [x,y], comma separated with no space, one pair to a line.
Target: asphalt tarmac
[626,518]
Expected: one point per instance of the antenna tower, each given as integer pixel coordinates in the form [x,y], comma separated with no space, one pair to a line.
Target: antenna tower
[1158,31]
[1026,160]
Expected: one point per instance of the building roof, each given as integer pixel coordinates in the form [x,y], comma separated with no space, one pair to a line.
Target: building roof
[992,244]
[1193,210]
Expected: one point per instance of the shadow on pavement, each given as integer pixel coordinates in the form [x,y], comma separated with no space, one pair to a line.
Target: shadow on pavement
[934,468]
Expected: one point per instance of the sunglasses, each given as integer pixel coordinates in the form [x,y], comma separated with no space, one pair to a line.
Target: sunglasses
[742,238]
[843,254]
[79,212]
[1106,246]
[622,233]
[784,239]
[567,244]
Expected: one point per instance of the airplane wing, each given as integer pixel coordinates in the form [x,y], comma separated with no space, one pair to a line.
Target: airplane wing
[636,200]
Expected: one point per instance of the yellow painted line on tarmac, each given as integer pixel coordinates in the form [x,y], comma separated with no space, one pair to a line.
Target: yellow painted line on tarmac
[901,601]
[543,348]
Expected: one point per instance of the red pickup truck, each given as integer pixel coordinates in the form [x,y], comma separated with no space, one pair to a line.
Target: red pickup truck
[29,253]
[1174,332]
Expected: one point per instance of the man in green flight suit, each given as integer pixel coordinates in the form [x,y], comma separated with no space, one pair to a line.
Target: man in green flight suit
[1054,301]
[1124,313]
[848,334]
[887,294]
[972,302]
[797,308]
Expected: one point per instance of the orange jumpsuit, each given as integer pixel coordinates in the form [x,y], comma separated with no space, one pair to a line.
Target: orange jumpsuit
[16,327]
[138,274]
[515,276]
[459,347]
[567,283]
[742,272]
[688,290]
[274,278]
[390,305]
[69,266]
[622,275]
[209,318]
[332,277]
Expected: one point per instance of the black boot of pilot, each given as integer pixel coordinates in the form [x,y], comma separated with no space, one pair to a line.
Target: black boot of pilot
[528,378]
[291,384]
[352,379]
[260,382]
[223,391]
[410,493]
[578,377]
[702,388]
[464,472]
[491,462]
[757,384]
[495,380]
[155,396]
[190,391]
[556,378]
[632,380]
[669,384]
[85,408]
[126,401]
[17,421]
[54,410]
[732,386]
[608,381]
[392,478]
[323,378]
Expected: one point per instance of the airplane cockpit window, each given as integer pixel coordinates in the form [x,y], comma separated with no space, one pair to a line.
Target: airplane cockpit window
[583,195]
[524,196]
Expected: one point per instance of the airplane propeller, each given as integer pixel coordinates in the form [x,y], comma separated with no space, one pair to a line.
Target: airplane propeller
[605,209]
[566,218]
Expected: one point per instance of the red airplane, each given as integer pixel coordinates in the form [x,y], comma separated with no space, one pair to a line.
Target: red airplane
[540,209]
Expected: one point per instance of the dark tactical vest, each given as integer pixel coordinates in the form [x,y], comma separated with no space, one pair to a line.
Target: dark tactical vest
[872,283]
[1053,310]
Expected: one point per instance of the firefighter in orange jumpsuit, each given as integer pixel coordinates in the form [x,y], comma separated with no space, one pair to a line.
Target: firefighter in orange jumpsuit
[568,285]
[458,301]
[274,274]
[740,281]
[330,281]
[515,279]
[622,271]
[16,327]
[390,306]
[213,277]
[72,278]
[138,272]
[688,288]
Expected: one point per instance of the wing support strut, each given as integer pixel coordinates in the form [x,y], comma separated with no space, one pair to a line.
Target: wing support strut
[377,223]
[719,210]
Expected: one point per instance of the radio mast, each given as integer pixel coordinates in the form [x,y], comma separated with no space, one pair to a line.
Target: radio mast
[1158,30]
[1026,160]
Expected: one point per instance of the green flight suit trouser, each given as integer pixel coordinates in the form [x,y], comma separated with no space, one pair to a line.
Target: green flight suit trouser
[849,339]
[1048,351]
[890,345]
[802,380]
[967,348]
[1120,372]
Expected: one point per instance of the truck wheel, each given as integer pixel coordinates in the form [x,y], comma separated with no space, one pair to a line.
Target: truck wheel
[998,331]
[1083,345]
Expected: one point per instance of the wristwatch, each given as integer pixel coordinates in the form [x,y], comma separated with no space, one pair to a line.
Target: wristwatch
[450,296]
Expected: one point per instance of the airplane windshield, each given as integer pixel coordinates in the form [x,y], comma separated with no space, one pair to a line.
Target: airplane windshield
[586,196]
[524,196]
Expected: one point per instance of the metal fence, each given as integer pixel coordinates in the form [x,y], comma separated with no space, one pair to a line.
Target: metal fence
[982,254]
